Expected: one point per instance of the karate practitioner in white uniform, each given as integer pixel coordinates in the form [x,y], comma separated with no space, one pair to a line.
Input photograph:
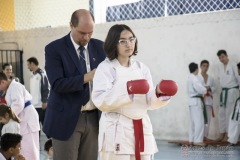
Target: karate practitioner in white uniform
[228,76]
[234,123]
[196,92]
[19,99]
[116,83]
[209,83]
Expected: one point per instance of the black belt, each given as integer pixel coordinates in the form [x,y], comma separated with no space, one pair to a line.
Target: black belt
[204,108]
[223,102]
[88,111]
[237,114]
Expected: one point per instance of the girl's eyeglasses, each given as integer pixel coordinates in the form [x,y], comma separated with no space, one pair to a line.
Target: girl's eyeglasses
[124,42]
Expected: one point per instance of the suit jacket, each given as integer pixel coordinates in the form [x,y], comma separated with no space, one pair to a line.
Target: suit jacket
[66,79]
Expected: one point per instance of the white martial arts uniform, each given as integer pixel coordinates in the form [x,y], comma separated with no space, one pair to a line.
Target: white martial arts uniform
[208,99]
[11,127]
[234,124]
[2,157]
[16,97]
[116,133]
[229,83]
[196,128]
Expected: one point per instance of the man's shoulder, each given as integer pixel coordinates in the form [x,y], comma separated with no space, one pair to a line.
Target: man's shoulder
[97,45]
[40,71]
[58,42]
[96,41]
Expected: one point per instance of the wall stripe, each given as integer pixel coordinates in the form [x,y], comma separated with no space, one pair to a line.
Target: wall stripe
[7,21]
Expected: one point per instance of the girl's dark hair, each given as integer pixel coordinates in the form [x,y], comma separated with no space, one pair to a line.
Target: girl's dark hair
[238,65]
[5,109]
[3,76]
[113,36]
[5,65]
[48,145]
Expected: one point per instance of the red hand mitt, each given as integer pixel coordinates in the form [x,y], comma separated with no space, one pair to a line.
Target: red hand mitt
[168,87]
[139,86]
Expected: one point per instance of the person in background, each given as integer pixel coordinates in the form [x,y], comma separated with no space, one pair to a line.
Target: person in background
[49,148]
[9,119]
[10,146]
[71,119]
[39,87]
[123,90]
[209,83]
[197,108]
[7,69]
[238,65]
[234,123]
[19,99]
[229,82]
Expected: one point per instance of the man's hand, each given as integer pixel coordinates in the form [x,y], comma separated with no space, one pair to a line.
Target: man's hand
[89,76]
[44,106]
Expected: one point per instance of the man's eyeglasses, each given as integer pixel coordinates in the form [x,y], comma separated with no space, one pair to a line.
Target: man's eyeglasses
[124,42]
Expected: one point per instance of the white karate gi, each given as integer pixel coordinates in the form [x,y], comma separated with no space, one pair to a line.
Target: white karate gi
[2,157]
[11,127]
[196,128]
[234,125]
[228,79]
[16,97]
[116,133]
[208,100]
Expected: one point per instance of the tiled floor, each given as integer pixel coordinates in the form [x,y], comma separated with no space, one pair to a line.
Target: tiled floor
[169,151]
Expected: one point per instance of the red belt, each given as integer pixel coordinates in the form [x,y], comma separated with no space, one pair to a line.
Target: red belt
[139,138]
[3,100]
[207,94]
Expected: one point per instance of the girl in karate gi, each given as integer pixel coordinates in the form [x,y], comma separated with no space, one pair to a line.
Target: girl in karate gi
[9,119]
[195,92]
[123,90]
[209,83]
[19,99]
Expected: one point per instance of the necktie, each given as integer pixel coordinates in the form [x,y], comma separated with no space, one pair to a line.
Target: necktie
[82,59]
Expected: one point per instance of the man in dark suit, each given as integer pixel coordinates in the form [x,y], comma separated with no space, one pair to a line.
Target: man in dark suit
[71,119]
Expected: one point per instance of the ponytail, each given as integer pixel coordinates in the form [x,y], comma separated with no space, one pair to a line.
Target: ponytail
[5,109]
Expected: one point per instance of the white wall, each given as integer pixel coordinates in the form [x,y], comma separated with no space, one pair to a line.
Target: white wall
[45,13]
[167,46]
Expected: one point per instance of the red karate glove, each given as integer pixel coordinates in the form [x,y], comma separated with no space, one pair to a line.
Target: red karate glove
[166,88]
[139,86]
